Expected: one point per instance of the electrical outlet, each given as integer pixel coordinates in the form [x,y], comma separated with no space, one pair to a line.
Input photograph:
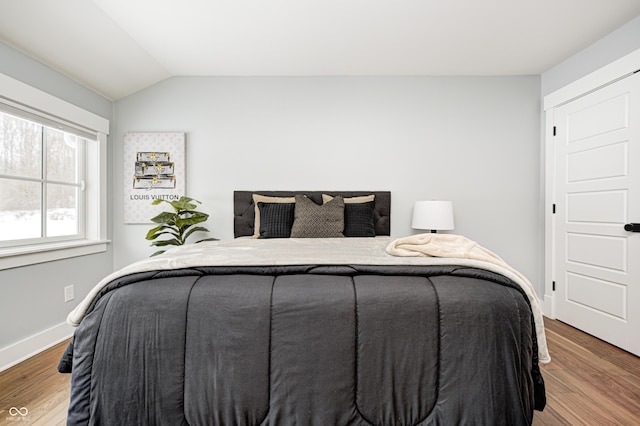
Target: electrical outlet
[68,293]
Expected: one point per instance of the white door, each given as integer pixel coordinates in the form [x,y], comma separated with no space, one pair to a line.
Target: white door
[597,192]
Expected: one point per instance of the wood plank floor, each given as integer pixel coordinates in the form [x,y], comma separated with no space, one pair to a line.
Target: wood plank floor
[35,385]
[589,382]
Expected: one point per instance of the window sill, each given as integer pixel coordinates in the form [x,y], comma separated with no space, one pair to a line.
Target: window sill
[30,255]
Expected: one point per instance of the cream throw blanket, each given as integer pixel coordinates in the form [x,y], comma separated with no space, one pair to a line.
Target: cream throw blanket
[459,247]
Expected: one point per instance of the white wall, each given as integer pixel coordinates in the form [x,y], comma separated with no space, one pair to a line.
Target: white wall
[472,140]
[32,298]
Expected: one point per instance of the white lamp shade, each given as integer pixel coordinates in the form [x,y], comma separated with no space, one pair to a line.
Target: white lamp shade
[434,215]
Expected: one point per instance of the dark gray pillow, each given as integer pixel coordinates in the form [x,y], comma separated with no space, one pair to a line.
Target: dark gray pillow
[318,221]
[358,220]
[276,219]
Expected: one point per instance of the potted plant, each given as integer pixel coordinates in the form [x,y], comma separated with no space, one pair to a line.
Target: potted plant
[177,225]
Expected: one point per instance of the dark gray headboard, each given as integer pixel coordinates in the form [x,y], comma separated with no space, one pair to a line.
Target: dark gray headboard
[244,209]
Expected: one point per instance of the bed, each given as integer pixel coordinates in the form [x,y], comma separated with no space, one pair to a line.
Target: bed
[361,330]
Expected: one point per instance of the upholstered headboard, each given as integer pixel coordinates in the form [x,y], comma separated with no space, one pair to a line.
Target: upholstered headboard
[244,209]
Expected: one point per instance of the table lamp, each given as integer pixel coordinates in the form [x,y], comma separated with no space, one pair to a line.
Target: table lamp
[433,215]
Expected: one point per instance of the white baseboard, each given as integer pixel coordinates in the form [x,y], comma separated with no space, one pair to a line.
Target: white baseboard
[548,307]
[32,345]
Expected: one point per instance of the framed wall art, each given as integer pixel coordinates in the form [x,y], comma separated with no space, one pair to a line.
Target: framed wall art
[154,168]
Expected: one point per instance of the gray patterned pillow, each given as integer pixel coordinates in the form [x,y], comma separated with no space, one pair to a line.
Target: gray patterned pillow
[318,221]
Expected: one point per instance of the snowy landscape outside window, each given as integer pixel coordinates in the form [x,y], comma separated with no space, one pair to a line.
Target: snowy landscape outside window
[42,179]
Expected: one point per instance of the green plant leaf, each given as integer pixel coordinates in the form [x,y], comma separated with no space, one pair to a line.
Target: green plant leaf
[157,253]
[192,219]
[167,218]
[195,229]
[162,243]
[157,231]
[159,234]
[185,203]
[206,239]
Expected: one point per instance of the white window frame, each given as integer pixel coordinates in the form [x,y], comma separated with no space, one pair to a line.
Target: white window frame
[95,239]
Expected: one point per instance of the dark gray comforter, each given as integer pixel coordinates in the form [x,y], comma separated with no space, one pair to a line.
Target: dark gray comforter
[306,345]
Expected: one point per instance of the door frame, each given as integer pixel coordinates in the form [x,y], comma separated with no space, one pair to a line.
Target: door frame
[604,76]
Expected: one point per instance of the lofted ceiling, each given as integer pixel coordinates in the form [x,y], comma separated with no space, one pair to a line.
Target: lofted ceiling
[117,47]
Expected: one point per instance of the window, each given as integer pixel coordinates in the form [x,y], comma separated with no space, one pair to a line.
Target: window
[41,182]
[52,177]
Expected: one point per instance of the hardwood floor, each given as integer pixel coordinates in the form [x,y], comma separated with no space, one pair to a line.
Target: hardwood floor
[35,385]
[589,382]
